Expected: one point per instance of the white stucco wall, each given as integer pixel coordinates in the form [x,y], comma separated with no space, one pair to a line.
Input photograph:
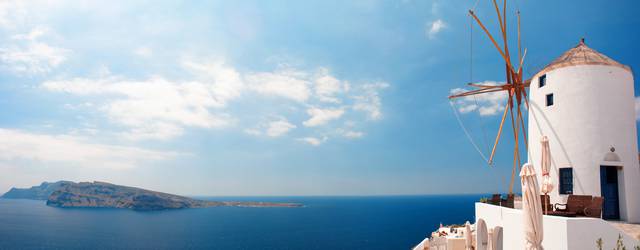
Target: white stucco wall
[560,233]
[423,245]
[593,111]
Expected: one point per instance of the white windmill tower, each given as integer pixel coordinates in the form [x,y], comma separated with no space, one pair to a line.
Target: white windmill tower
[584,103]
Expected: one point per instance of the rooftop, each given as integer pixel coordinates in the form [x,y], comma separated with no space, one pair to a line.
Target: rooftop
[581,54]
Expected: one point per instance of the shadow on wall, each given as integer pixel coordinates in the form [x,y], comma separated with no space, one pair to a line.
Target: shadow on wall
[537,111]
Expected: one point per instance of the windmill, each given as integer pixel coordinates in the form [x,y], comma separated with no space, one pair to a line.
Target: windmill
[514,87]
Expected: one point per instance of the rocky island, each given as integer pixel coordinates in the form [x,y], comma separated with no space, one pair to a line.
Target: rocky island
[41,192]
[107,195]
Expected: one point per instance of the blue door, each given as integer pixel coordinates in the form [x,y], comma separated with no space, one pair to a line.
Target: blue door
[609,190]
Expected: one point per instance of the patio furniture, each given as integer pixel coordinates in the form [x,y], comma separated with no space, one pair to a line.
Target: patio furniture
[562,213]
[595,208]
[495,199]
[546,203]
[509,202]
[575,204]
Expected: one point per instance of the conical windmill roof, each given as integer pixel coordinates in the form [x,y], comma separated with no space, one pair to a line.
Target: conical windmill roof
[581,54]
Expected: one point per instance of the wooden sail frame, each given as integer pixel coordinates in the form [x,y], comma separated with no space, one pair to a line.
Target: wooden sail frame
[514,86]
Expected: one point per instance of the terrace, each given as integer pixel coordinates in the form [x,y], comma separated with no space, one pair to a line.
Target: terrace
[559,232]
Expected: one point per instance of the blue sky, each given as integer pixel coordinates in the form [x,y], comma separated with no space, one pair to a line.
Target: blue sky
[269,97]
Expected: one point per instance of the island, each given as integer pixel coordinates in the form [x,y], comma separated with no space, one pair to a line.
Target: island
[106,195]
[41,192]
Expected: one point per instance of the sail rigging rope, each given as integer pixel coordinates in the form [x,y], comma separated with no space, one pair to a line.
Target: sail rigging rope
[475,98]
[455,109]
[466,132]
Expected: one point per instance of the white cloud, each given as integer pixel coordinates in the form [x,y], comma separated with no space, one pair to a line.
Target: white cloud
[159,108]
[313,140]
[369,99]
[224,82]
[11,13]
[287,83]
[154,108]
[153,131]
[34,34]
[353,134]
[467,108]
[278,128]
[435,27]
[327,87]
[16,145]
[322,116]
[486,104]
[274,128]
[253,131]
[26,54]
[143,51]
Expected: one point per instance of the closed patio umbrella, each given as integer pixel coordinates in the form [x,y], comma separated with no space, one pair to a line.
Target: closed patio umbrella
[497,238]
[490,240]
[545,164]
[468,237]
[482,238]
[531,208]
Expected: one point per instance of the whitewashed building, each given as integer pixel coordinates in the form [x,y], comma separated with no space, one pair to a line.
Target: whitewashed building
[584,103]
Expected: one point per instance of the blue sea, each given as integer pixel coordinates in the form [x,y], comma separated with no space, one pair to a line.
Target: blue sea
[376,222]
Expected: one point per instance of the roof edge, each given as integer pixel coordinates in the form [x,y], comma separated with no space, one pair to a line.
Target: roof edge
[565,65]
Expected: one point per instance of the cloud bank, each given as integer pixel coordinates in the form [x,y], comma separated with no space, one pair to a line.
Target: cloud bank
[486,104]
[17,145]
[161,108]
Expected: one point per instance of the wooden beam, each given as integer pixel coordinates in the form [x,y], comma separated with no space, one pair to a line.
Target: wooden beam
[516,131]
[521,63]
[503,29]
[488,33]
[516,160]
[513,174]
[495,4]
[504,33]
[495,143]
[520,56]
[475,92]
[526,101]
[527,83]
[504,16]
[485,86]
[495,44]
[524,132]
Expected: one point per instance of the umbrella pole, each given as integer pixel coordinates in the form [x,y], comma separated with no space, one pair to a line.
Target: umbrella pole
[546,203]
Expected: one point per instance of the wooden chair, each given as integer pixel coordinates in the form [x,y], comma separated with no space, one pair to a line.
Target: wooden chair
[495,199]
[545,200]
[575,204]
[562,213]
[509,202]
[595,208]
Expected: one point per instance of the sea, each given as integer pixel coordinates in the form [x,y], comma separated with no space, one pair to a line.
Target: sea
[367,222]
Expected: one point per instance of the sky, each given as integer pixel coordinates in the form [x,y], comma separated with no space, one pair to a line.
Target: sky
[271,97]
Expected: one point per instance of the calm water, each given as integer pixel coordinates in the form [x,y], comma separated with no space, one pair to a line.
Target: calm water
[393,222]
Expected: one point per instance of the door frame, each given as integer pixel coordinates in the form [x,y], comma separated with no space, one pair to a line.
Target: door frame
[617,168]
